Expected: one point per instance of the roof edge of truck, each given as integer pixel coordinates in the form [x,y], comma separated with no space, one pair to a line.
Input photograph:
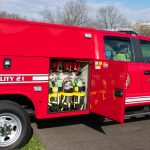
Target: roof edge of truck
[116,33]
[44,24]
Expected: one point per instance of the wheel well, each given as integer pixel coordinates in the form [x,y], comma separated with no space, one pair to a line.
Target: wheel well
[22,100]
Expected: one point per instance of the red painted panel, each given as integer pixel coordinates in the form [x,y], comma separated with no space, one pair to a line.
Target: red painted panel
[26,68]
[134,72]
[39,99]
[144,82]
[104,81]
[37,39]
[138,92]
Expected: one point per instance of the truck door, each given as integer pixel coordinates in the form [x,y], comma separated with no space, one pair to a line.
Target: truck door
[144,95]
[134,74]
[107,93]
[138,92]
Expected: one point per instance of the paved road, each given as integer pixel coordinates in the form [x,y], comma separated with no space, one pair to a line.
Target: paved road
[84,133]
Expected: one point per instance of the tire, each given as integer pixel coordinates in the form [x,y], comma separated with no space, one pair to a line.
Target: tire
[15,126]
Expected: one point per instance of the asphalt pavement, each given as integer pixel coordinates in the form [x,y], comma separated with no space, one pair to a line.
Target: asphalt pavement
[89,133]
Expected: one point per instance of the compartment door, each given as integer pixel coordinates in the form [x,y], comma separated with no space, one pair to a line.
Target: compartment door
[107,90]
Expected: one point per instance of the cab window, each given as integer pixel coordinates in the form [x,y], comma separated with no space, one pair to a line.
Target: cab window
[118,49]
[145,47]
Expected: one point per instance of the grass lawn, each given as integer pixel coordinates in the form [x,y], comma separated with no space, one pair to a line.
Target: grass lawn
[34,144]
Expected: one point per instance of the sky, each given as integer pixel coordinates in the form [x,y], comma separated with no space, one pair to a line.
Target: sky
[133,10]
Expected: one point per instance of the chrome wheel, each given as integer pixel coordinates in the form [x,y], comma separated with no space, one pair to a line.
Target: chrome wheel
[10,129]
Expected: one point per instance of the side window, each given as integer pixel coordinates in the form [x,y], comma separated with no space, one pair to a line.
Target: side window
[145,47]
[118,49]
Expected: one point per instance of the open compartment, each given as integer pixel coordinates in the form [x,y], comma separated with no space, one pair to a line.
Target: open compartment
[68,85]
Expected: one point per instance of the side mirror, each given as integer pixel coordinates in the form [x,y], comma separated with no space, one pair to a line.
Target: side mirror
[109,54]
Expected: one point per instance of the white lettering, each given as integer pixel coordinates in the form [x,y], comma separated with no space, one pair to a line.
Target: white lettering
[6,79]
[2,79]
[18,78]
[22,78]
[11,79]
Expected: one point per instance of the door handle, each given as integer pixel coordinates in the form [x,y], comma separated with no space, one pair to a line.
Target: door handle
[147,72]
[118,92]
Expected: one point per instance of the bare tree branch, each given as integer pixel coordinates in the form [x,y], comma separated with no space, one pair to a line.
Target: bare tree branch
[47,15]
[74,13]
[4,14]
[110,17]
[143,28]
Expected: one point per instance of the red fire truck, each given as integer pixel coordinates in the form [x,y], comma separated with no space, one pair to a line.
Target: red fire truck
[56,71]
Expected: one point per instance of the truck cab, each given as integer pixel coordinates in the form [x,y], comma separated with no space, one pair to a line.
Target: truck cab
[133,51]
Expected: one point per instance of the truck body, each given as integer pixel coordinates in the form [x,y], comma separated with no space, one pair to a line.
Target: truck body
[57,70]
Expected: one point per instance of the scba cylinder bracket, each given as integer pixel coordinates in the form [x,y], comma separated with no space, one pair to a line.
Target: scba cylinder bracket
[67,87]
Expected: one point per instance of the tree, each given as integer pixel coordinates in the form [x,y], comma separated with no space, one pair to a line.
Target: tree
[74,13]
[110,17]
[4,14]
[141,28]
[47,15]
[144,30]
